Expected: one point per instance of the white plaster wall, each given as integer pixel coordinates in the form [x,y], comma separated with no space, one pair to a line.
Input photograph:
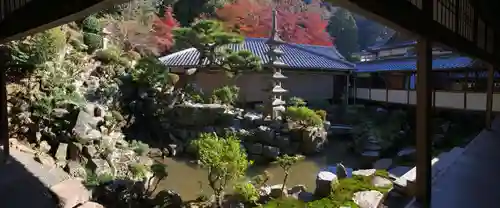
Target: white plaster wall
[363,93]
[450,99]
[378,94]
[398,96]
[307,85]
[476,101]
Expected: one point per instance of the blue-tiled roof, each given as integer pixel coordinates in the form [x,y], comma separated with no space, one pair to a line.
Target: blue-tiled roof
[410,63]
[481,74]
[392,45]
[296,56]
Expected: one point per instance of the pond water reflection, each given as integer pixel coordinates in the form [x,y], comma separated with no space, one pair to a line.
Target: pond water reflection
[185,178]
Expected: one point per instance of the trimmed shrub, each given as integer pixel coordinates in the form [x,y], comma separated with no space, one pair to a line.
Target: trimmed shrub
[226,94]
[322,114]
[296,101]
[109,55]
[303,116]
[91,25]
[93,41]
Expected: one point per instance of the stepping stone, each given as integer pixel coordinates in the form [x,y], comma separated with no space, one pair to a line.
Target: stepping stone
[71,193]
[90,205]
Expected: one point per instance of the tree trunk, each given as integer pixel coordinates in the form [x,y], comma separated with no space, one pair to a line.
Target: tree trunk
[284,182]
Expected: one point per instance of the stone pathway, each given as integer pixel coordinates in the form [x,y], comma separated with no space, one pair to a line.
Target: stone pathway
[26,183]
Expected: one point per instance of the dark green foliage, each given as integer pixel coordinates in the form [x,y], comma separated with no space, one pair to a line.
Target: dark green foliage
[205,36]
[236,62]
[91,25]
[93,41]
[343,27]
[296,102]
[186,13]
[149,71]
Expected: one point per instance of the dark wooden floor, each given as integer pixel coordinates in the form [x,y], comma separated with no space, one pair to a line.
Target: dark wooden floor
[473,180]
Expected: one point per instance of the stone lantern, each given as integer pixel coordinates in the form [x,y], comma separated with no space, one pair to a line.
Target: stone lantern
[105,38]
[276,103]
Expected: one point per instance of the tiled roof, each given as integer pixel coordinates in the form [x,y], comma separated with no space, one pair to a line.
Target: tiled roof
[481,74]
[296,56]
[410,63]
[392,45]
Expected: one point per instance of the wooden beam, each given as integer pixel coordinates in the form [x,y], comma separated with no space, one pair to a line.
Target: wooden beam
[40,15]
[402,14]
[489,96]
[4,122]
[423,130]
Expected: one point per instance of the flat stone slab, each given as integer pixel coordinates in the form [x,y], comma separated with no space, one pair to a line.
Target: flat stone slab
[71,193]
[368,199]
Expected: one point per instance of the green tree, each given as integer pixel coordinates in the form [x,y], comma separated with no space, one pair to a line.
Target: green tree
[343,27]
[207,36]
[286,162]
[223,158]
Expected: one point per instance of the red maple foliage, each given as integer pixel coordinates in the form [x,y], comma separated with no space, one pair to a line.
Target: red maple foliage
[297,22]
[163,27]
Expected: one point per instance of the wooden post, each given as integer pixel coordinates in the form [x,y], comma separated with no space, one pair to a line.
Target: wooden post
[489,96]
[4,123]
[408,90]
[423,130]
[386,80]
[466,85]
[346,97]
[370,78]
[355,89]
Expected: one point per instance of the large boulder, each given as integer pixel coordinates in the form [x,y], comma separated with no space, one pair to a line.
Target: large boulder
[270,152]
[201,115]
[324,183]
[264,134]
[313,140]
[85,129]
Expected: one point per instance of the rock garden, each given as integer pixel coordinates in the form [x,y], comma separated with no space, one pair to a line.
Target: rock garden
[84,98]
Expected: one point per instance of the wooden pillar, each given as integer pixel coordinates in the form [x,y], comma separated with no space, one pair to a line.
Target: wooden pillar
[423,130]
[466,85]
[370,78]
[489,96]
[408,88]
[386,89]
[4,124]
[355,89]
[346,97]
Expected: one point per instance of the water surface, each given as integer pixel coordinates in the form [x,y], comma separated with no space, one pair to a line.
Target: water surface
[185,178]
